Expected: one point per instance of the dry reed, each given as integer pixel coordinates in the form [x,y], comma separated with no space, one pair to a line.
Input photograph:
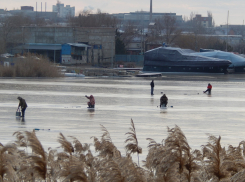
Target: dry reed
[132,141]
[31,66]
[172,160]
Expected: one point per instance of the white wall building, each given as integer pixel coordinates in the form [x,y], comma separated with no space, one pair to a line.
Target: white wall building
[63,11]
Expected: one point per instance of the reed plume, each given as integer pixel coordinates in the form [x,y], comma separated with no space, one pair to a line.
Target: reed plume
[160,163]
[132,142]
[53,165]
[130,170]
[105,147]
[65,144]
[73,170]
[38,157]
[8,162]
[79,147]
[91,166]
[109,171]
[155,154]
[171,160]
[24,162]
[72,160]
[238,177]
[237,166]
[235,156]
[217,160]
[192,164]
[177,146]
[21,139]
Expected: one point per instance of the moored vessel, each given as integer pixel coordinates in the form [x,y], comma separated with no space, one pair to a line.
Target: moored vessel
[170,59]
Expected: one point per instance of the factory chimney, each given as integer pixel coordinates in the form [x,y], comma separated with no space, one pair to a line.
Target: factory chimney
[151,11]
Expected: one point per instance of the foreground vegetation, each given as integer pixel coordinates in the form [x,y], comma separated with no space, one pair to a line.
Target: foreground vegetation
[30,66]
[170,161]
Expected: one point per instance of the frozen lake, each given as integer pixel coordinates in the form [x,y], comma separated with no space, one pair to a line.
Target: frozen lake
[60,105]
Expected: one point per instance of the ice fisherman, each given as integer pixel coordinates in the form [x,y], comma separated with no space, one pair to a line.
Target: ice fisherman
[209,88]
[23,105]
[152,87]
[91,102]
[163,101]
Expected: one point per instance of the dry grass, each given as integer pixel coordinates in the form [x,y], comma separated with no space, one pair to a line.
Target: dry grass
[132,141]
[31,66]
[172,160]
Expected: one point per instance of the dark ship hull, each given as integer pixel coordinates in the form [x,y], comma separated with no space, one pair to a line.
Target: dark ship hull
[168,59]
[218,69]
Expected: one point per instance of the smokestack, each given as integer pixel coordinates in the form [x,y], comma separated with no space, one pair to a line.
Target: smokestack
[150,10]
[45,6]
[41,6]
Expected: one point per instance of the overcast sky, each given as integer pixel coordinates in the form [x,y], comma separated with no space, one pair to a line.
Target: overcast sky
[219,8]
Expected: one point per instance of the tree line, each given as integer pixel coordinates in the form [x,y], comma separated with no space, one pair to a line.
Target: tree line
[165,30]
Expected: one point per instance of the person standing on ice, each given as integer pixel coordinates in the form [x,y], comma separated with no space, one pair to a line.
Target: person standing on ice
[152,87]
[23,105]
[209,88]
[91,102]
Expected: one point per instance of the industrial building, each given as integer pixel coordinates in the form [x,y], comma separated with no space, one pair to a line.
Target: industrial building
[82,45]
[143,17]
[64,11]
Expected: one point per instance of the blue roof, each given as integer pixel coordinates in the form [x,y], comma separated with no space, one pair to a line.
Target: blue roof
[54,47]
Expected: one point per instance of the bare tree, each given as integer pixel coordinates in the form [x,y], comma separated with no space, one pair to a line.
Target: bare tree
[196,28]
[86,18]
[12,30]
[130,32]
[166,29]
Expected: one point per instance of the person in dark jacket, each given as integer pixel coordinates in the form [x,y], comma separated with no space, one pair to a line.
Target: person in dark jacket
[209,88]
[152,87]
[23,105]
[91,102]
[163,101]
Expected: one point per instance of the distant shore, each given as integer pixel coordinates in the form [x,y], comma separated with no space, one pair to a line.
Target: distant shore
[89,70]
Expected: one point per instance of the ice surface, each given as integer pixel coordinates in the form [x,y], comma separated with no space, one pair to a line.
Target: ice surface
[60,105]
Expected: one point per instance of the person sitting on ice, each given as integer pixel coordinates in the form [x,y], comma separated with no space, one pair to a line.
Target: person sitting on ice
[209,88]
[91,102]
[163,101]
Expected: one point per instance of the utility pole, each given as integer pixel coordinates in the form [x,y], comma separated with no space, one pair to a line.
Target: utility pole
[242,49]
[141,47]
[112,54]
[227,31]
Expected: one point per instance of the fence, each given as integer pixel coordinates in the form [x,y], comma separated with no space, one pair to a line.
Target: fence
[129,58]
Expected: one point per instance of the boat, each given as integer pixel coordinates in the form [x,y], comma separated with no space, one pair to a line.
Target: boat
[237,62]
[149,75]
[74,75]
[171,59]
